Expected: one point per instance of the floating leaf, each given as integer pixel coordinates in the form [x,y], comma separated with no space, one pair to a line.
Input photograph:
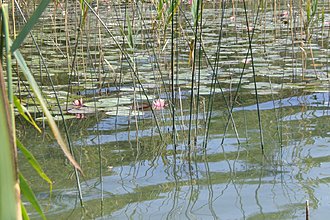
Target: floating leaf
[99,104]
[262,85]
[57,117]
[265,92]
[117,101]
[127,89]
[207,90]
[124,113]
[116,108]
[82,110]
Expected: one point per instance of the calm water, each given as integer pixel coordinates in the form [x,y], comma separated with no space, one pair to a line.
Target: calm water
[131,173]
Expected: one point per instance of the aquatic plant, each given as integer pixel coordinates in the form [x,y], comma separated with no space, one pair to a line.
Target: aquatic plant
[166,54]
[78,103]
[11,180]
[158,104]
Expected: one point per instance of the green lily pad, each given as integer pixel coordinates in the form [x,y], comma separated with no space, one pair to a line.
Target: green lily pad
[124,113]
[115,108]
[82,110]
[56,118]
[117,101]
[108,102]
[98,104]
[265,92]
[128,89]
[262,85]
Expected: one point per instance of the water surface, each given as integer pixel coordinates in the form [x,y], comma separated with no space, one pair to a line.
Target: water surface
[130,172]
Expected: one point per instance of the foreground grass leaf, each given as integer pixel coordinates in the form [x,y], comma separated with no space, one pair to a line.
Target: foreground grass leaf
[28,75]
[29,195]
[29,25]
[25,215]
[25,114]
[34,163]
[7,193]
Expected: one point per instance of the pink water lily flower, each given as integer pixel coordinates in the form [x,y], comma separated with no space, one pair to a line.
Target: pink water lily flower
[158,104]
[232,18]
[247,60]
[78,103]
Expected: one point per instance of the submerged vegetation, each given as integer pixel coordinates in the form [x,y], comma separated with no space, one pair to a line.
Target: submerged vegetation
[178,85]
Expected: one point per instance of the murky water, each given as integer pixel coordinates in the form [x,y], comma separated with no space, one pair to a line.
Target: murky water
[130,172]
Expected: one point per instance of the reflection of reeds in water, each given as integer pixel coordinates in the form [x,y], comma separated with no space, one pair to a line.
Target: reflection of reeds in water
[134,22]
[136,29]
[131,30]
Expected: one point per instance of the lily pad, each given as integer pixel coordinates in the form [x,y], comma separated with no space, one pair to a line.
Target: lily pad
[124,113]
[99,104]
[108,102]
[265,92]
[82,110]
[262,85]
[56,118]
[127,89]
[115,108]
[118,101]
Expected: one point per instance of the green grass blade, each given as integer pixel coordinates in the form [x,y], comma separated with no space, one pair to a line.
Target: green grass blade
[34,163]
[308,10]
[24,113]
[172,9]
[29,25]
[33,84]
[5,28]
[130,33]
[29,195]
[7,193]
[25,215]
[194,11]
[314,7]
[160,9]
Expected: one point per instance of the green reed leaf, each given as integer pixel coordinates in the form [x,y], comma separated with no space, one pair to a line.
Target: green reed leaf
[171,10]
[33,84]
[160,8]
[34,163]
[308,10]
[314,7]
[29,195]
[7,198]
[29,25]
[24,113]
[130,33]
[25,215]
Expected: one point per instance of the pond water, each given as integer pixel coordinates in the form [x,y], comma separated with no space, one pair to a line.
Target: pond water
[264,162]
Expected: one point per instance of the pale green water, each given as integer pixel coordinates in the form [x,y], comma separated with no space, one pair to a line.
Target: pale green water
[131,174]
